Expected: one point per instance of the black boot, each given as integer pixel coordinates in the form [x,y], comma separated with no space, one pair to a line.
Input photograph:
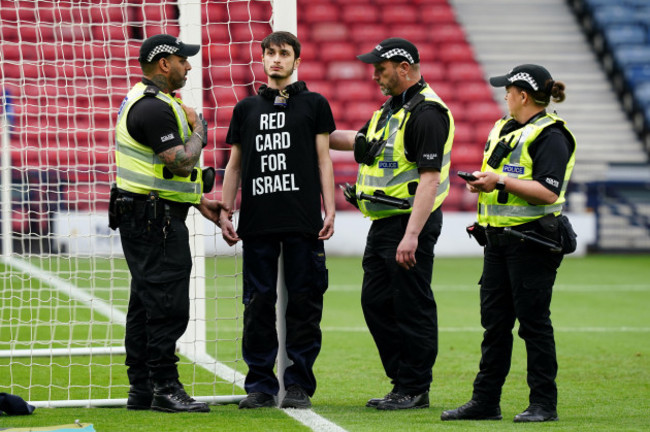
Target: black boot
[140,397]
[170,396]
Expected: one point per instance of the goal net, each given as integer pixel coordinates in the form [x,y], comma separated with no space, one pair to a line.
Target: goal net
[65,67]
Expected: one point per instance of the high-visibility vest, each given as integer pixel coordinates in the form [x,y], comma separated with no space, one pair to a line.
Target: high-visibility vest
[519,164]
[139,169]
[391,173]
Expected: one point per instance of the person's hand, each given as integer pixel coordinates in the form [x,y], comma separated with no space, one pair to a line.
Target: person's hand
[192,116]
[405,255]
[228,229]
[328,228]
[212,209]
[486,182]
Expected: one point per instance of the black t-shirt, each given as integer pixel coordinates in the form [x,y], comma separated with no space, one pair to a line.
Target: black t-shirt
[550,153]
[152,122]
[426,131]
[280,178]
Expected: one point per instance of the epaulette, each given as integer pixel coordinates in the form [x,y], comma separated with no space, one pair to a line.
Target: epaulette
[151,90]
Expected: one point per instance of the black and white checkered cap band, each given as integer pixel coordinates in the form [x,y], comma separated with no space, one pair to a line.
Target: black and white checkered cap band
[523,76]
[161,49]
[398,52]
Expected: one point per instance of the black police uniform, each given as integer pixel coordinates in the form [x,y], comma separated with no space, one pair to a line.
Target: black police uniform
[281,211]
[398,304]
[517,284]
[157,250]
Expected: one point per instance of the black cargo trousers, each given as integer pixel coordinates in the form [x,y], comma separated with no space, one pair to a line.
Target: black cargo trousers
[517,284]
[157,251]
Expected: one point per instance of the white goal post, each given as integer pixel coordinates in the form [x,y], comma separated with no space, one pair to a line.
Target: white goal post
[64,68]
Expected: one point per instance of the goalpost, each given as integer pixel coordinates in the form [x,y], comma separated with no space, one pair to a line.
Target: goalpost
[64,68]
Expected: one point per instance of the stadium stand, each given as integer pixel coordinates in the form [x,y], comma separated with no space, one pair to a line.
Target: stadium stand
[339,31]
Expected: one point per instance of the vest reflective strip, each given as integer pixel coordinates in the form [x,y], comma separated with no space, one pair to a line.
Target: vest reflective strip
[158,184]
[144,156]
[515,157]
[404,177]
[518,211]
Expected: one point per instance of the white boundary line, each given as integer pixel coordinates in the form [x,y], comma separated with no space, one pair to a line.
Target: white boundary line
[308,418]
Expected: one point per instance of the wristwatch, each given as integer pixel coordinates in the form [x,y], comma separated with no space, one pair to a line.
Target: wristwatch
[501,183]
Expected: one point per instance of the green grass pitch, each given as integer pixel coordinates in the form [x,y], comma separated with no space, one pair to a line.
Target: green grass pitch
[602,325]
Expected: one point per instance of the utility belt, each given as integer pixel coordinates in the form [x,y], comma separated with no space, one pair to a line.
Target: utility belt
[499,236]
[148,207]
[551,233]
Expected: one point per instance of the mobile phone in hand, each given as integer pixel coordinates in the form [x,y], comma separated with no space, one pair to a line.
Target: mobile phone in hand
[467,176]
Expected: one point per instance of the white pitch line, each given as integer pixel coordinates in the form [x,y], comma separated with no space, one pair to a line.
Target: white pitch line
[307,417]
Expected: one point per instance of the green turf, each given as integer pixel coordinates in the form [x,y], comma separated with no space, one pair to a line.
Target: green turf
[603,341]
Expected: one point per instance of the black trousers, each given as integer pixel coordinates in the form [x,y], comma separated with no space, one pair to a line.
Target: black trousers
[517,284]
[398,304]
[306,280]
[158,311]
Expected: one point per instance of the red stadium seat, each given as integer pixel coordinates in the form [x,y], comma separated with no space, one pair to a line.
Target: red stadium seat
[467,153]
[341,51]
[438,14]
[432,71]
[457,109]
[328,32]
[372,32]
[355,90]
[474,91]
[347,70]
[416,33]
[400,14]
[464,131]
[455,52]
[354,14]
[249,11]
[215,12]
[443,89]
[483,111]
[319,13]
[465,71]
[324,87]
[447,33]
[308,71]
[359,112]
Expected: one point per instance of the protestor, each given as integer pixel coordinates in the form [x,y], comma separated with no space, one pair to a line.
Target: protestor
[280,155]
[158,144]
[404,155]
[526,168]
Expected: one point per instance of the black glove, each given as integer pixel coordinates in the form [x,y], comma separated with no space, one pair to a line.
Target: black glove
[204,137]
[360,147]
[350,194]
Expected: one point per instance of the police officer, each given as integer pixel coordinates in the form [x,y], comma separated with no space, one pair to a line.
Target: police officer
[158,145]
[526,167]
[404,155]
[280,155]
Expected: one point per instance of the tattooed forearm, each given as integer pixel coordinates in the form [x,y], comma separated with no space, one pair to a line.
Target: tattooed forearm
[181,159]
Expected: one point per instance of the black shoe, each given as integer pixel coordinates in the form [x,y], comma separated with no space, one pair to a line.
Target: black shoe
[296,397]
[170,396]
[139,401]
[372,403]
[473,410]
[404,401]
[257,400]
[536,413]
[140,397]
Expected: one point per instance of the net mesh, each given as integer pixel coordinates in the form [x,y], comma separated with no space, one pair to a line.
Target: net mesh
[65,68]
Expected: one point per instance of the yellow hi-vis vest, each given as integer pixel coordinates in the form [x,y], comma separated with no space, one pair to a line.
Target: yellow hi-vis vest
[519,164]
[391,172]
[139,170]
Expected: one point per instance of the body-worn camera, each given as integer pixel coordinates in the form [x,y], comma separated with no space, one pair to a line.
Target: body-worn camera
[366,152]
